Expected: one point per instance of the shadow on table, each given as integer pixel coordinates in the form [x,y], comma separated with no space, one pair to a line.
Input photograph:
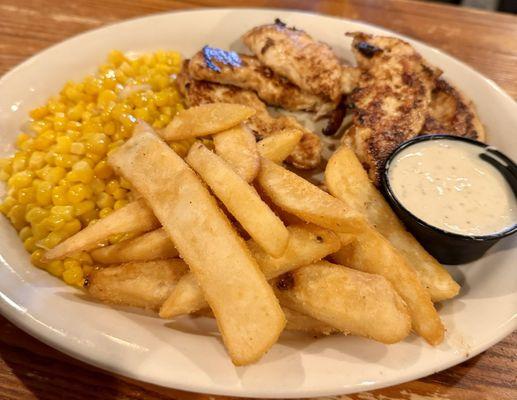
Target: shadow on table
[50,375]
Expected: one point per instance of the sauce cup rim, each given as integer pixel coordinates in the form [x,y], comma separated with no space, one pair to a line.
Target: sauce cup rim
[385,182]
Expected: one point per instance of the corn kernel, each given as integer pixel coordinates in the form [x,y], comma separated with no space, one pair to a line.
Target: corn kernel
[59,195]
[17,216]
[22,138]
[77,148]
[5,164]
[162,99]
[116,57]
[55,174]
[65,160]
[98,144]
[120,203]
[78,193]
[103,170]
[54,222]
[87,269]
[44,193]
[89,216]
[25,233]
[39,112]
[106,97]
[40,230]
[8,203]
[97,185]
[112,186]
[71,263]
[36,214]
[29,243]
[4,175]
[21,179]
[55,106]
[104,212]
[37,160]
[66,212]
[37,258]
[52,240]
[63,144]
[73,276]
[76,112]
[109,80]
[55,268]
[83,207]
[119,194]
[60,122]
[92,85]
[44,140]
[82,258]
[72,227]
[105,200]
[26,195]
[81,172]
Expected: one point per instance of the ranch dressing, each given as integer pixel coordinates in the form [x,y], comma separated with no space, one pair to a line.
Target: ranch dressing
[445,183]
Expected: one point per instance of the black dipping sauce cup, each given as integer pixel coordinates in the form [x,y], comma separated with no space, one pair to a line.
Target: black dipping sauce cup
[448,247]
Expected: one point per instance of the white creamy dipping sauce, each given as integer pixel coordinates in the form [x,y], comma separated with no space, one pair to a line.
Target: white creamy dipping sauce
[445,183]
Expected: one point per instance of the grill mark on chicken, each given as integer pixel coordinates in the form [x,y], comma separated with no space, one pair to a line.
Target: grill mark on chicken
[215,57]
[336,118]
[367,49]
[251,74]
[306,155]
[451,112]
[392,99]
[295,55]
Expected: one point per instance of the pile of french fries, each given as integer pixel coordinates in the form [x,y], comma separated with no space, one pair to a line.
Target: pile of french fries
[233,234]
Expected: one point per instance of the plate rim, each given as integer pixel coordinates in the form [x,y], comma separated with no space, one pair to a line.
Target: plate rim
[32,326]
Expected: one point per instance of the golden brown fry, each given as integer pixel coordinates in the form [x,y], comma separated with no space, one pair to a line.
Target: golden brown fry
[295,322]
[307,244]
[187,299]
[247,312]
[237,146]
[373,253]
[137,284]
[240,199]
[206,119]
[347,180]
[308,202]
[154,245]
[303,323]
[351,301]
[135,217]
[279,146]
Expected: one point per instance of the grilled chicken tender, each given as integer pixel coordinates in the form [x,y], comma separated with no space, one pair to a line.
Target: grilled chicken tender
[306,155]
[295,55]
[392,100]
[451,112]
[249,73]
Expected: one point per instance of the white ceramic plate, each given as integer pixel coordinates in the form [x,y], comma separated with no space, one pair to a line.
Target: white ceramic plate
[188,354]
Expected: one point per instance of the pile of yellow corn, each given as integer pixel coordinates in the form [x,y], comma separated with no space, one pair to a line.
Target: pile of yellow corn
[58,180]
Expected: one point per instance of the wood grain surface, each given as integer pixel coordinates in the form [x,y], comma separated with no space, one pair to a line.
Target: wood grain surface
[487,41]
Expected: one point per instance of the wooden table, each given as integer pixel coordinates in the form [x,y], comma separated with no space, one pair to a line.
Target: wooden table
[487,41]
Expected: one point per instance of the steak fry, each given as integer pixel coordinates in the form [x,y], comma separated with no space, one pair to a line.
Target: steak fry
[392,100]
[451,112]
[249,73]
[295,55]
[307,153]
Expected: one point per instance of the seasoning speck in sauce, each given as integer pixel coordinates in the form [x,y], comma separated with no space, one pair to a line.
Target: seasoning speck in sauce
[445,183]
